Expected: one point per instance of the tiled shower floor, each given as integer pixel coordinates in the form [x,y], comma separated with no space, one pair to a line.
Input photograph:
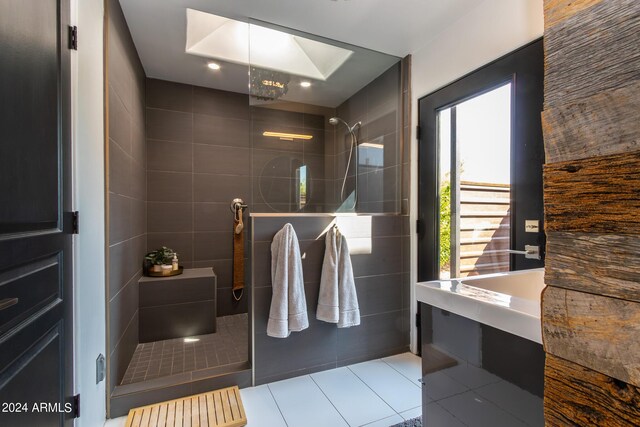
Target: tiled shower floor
[175,356]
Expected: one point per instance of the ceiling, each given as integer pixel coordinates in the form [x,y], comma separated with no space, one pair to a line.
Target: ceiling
[395,27]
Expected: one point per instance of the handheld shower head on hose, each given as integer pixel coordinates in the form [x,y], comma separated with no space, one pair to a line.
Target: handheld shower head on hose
[335,120]
[354,146]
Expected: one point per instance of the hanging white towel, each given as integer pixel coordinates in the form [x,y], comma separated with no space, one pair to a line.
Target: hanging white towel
[338,301]
[288,304]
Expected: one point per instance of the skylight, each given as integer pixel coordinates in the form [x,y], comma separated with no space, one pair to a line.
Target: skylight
[215,37]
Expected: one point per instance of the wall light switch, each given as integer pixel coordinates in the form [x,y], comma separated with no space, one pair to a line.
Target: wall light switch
[532,226]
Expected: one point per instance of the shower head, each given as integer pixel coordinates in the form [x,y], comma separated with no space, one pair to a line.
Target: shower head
[335,120]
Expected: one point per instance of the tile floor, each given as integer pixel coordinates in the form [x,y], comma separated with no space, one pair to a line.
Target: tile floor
[384,392]
[169,357]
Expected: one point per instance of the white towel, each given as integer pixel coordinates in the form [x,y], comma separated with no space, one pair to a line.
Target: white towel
[288,303]
[338,301]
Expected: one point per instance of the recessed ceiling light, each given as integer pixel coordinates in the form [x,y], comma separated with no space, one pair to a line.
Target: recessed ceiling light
[305,84]
[213,66]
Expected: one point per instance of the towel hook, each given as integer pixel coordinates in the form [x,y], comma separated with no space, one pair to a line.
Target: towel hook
[237,204]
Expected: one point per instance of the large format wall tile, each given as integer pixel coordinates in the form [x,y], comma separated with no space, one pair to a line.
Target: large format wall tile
[169,217]
[169,156]
[169,125]
[220,103]
[221,160]
[126,203]
[384,324]
[169,95]
[220,131]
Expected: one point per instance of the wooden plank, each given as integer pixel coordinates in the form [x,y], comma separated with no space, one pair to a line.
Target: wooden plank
[556,11]
[195,412]
[603,124]
[235,410]
[598,332]
[224,395]
[211,410]
[578,396]
[163,415]
[598,195]
[146,415]
[243,416]
[153,420]
[171,414]
[179,413]
[605,264]
[219,411]
[137,417]
[129,421]
[591,51]
[202,401]
[186,411]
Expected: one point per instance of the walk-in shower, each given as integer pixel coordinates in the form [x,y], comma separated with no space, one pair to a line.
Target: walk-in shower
[353,147]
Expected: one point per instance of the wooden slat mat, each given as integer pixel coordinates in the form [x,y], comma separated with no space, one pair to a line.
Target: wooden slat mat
[219,408]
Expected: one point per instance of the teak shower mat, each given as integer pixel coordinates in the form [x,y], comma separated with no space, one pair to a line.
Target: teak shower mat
[219,408]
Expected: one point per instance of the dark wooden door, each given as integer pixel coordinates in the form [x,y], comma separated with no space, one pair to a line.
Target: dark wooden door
[35,232]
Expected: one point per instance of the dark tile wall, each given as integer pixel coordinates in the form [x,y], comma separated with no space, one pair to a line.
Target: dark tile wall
[275,161]
[384,327]
[204,148]
[198,160]
[378,107]
[127,191]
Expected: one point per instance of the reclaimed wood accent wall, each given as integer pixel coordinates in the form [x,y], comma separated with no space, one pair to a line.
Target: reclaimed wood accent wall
[584,397]
[591,126]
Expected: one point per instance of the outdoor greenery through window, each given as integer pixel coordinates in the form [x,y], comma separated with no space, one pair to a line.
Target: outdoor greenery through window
[474,138]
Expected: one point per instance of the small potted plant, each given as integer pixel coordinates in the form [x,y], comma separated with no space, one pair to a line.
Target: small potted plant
[159,260]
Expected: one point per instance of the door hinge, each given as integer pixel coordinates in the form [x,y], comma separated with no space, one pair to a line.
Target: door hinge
[73,37]
[100,368]
[417,320]
[418,132]
[418,226]
[76,406]
[75,222]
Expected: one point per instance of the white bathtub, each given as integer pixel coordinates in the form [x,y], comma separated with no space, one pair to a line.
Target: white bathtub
[506,301]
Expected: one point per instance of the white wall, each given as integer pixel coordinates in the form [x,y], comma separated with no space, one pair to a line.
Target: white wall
[485,33]
[88,147]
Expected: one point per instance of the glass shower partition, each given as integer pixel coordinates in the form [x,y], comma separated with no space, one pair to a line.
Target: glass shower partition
[301,160]
[325,149]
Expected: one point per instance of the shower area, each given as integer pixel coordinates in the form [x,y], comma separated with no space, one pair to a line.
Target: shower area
[314,133]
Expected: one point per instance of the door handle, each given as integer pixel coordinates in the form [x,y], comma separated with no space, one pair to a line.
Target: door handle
[8,302]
